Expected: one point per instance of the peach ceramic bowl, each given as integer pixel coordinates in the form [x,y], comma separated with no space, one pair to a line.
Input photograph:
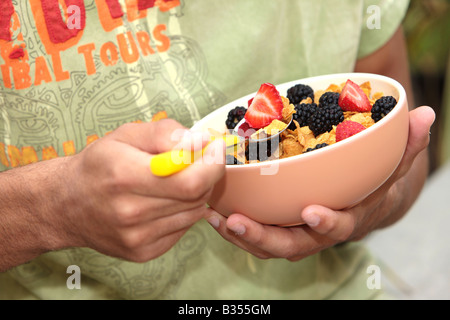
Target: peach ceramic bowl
[337,176]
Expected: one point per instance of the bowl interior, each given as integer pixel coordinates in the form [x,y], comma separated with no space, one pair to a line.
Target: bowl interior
[388,86]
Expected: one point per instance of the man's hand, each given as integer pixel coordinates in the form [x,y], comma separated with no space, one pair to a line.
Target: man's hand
[106,197]
[325,227]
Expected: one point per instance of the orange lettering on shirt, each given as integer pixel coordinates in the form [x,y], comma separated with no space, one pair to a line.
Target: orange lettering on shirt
[91,139]
[6,76]
[3,157]
[110,14]
[86,50]
[166,5]
[133,13]
[158,34]
[41,72]
[60,74]
[69,148]
[143,39]
[21,157]
[21,74]
[109,54]
[127,56]
[49,153]
[159,116]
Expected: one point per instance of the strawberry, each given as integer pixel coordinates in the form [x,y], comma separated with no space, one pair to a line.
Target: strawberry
[265,107]
[353,98]
[347,129]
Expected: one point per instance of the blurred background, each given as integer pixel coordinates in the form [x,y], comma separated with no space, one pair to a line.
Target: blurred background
[414,253]
[427,27]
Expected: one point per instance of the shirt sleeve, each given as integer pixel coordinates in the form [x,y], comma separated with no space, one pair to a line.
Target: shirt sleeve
[381,19]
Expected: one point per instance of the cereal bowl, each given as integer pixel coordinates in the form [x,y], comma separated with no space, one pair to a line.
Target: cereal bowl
[337,176]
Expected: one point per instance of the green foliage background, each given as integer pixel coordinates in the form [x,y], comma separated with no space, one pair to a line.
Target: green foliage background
[427,29]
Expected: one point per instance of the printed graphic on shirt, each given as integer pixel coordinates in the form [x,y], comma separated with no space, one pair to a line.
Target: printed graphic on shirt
[69,76]
[61,89]
[156,279]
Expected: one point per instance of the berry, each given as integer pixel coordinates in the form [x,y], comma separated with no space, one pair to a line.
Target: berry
[353,98]
[329,98]
[234,116]
[265,107]
[245,130]
[318,146]
[261,150]
[325,118]
[299,92]
[302,113]
[382,107]
[230,159]
[347,129]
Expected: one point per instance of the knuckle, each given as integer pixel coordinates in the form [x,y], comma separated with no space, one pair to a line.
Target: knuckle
[132,241]
[194,189]
[290,250]
[127,213]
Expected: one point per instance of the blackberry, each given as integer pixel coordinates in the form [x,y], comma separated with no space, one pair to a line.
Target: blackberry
[234,116]
[230,159]
[318,146]
[382,107]
[261,150]
[329,98]
[303,112]
[299,92]
[325,118]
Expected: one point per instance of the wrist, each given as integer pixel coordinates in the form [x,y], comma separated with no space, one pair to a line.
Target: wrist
[32,215]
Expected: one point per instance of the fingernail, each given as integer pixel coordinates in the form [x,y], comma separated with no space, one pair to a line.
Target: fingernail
[214,222]
[238,229]
[312,219]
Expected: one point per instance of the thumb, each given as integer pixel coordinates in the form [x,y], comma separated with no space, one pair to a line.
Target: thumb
[420,121]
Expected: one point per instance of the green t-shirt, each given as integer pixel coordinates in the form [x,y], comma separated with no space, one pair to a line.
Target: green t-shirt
[67,81]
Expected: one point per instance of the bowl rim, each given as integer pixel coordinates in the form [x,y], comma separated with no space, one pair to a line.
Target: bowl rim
[356,76]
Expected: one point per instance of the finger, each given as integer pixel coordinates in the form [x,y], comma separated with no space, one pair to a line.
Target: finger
[131,210]
[421,120]
[197,179]
[336,225]
[236,235]
[266,241]
[150,251]
[192,183]
[147,234]
[157,137]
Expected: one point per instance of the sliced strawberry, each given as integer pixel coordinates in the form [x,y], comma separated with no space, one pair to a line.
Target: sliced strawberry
[353,98]
[347,129]
[265,107]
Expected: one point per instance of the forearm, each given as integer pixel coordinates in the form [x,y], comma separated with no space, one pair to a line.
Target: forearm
[28,195]
[392,60]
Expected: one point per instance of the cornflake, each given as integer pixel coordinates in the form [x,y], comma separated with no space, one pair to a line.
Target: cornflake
[296,141]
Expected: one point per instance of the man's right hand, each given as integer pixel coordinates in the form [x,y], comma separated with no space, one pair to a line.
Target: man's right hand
[106,197]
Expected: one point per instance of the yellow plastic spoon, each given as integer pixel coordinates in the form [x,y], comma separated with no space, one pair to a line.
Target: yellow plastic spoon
[170,162]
